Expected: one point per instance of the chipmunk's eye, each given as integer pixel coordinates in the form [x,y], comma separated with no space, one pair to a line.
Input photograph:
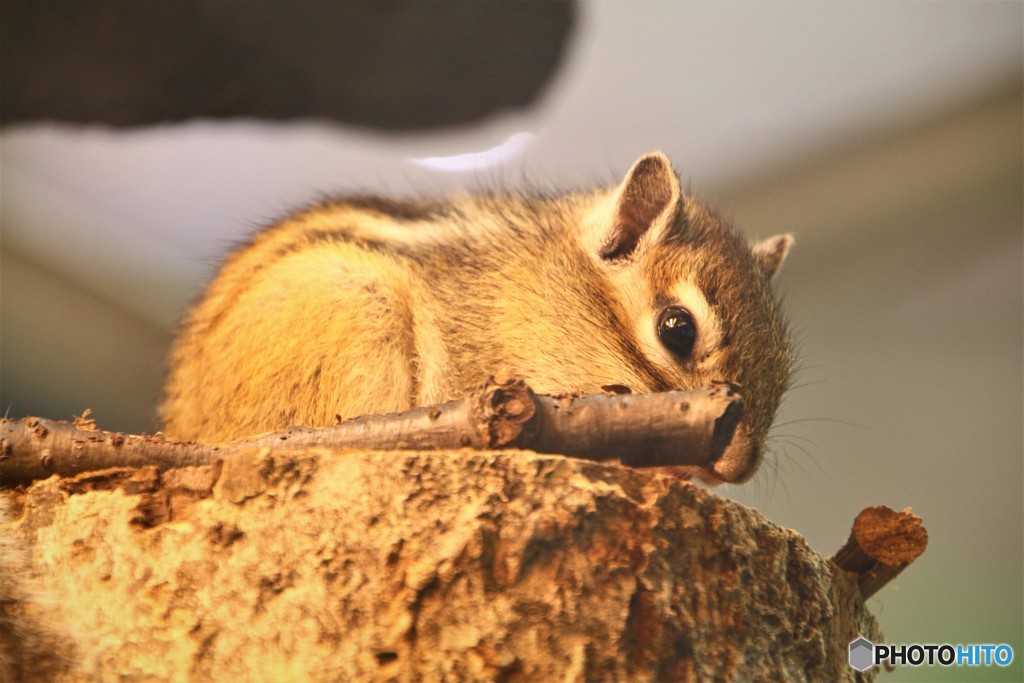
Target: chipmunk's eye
[677,331]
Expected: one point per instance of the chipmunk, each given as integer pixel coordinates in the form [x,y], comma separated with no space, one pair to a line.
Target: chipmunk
[365,305]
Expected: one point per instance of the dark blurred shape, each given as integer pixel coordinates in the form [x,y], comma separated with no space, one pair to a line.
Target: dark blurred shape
[385,64]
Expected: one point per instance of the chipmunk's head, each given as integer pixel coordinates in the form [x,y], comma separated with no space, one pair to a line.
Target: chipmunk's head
[698,301]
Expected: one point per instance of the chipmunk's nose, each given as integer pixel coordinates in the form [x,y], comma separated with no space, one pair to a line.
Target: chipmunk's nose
[740,459]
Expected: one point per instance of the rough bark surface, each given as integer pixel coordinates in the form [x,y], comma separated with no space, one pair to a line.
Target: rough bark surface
[329,565]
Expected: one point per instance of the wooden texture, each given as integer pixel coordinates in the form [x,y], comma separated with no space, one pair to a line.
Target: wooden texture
[322,565]
[882,543]
[667,429]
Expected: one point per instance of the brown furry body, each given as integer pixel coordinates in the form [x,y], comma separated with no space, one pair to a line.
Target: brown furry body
[368,305]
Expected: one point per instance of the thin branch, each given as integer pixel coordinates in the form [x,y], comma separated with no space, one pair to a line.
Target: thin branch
[679,428]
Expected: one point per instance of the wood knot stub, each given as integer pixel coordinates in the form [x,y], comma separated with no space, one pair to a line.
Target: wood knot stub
[881,545]
[506,415]
[888,536]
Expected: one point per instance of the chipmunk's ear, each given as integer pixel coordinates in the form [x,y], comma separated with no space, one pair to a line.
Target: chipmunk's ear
[645,203]
[770,253]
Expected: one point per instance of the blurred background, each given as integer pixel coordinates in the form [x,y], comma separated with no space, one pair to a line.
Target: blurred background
[140,142]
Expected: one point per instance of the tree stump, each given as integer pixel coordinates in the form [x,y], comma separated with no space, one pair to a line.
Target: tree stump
[323,565]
